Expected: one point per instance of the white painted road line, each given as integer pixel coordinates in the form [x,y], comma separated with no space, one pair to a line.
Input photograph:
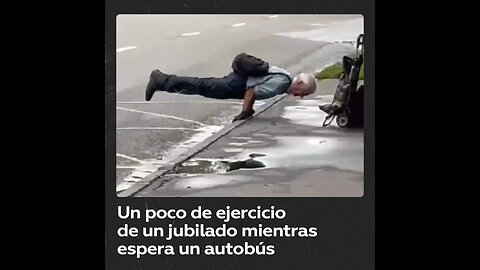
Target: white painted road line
[155,128]
[125,49]
[131,158]
[190,34]
[179,101]
[161,115]
[238,24]
[126,167]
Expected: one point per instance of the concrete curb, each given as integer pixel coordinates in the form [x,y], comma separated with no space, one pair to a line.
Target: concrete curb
[153,178]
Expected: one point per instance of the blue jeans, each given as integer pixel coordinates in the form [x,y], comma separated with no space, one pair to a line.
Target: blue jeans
[231,86]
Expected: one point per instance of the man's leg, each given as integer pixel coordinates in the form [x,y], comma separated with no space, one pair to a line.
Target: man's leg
[230,86]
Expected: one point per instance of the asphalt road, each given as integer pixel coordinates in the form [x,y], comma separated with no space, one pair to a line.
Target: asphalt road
[151,133]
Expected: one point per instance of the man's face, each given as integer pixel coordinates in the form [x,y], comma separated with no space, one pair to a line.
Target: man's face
[298,90]
[301,95]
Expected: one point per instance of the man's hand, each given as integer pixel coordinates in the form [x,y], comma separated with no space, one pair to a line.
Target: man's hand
[243,115]
[247,107]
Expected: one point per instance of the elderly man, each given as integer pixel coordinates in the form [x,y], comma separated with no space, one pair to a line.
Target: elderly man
[234,86]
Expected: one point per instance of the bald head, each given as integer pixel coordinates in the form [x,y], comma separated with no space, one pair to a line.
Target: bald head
[303,85]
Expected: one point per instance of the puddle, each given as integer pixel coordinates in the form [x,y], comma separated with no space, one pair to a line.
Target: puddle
[310,152]
[262,135]
[306,112]
[233,150]
[199,182]
[238,144]
[325,98]
[258,103]
[202,134]
[146,167]
[217,166]
[241,138]
[289,154]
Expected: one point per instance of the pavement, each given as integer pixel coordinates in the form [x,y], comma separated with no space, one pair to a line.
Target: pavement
[151,136]
[283,151]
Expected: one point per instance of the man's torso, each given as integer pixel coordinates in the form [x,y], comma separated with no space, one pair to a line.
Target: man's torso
[270,85]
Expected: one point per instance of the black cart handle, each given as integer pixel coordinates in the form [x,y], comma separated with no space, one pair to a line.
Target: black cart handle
[359,40]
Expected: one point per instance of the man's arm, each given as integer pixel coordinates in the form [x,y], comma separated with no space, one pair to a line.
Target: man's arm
[248,100]
[247,108]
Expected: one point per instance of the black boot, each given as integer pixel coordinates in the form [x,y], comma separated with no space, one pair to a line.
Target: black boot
[156,83]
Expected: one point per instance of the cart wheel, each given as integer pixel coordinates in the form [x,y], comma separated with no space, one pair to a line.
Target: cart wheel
[343,120]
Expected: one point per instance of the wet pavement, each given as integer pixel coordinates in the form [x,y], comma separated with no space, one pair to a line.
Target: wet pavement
[284,151]
[152,134]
